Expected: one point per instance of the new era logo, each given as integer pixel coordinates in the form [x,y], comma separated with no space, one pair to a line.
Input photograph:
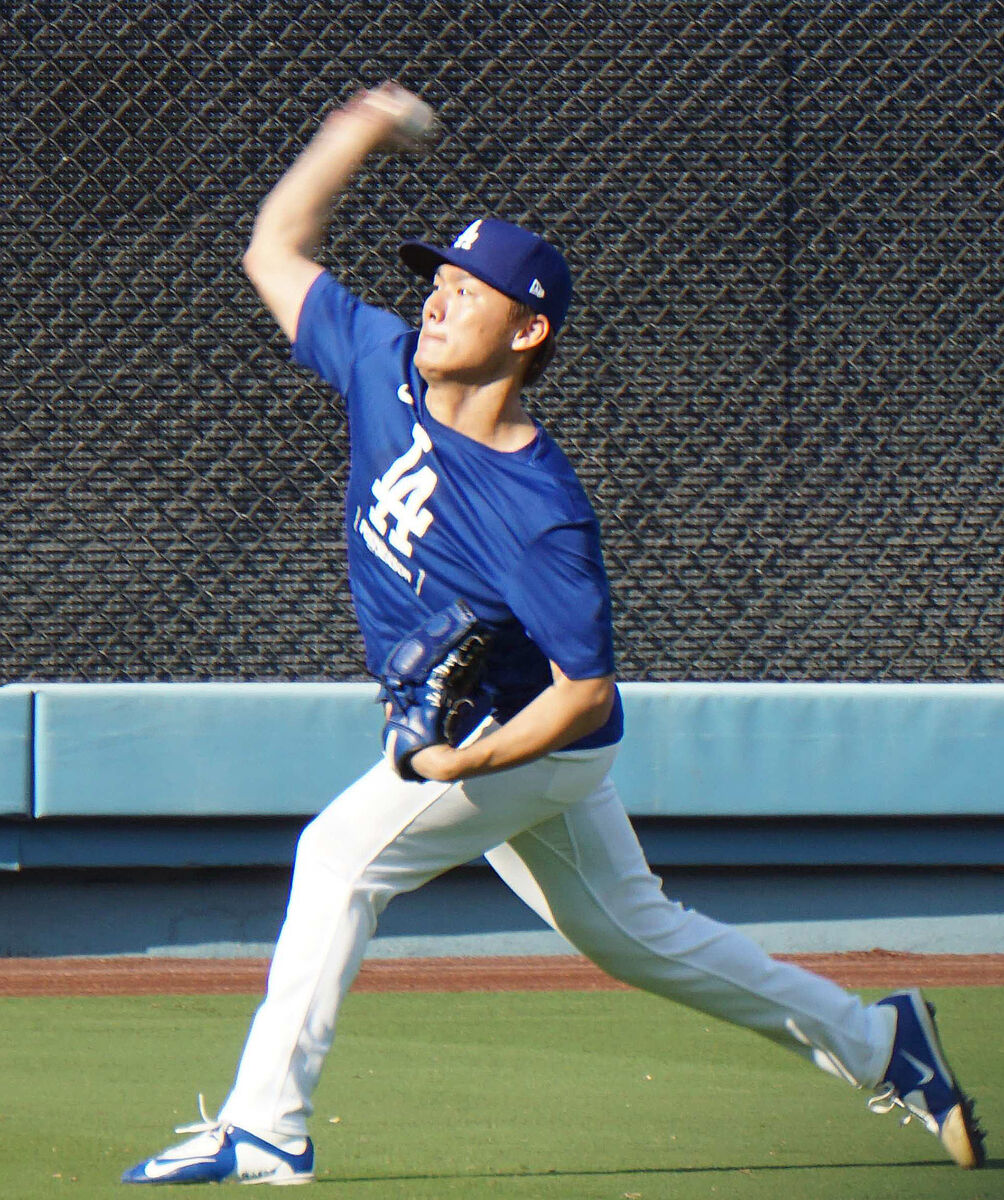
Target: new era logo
[537,289]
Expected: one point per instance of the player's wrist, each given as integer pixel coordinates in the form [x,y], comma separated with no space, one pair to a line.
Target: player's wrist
[354,127]
[437,763]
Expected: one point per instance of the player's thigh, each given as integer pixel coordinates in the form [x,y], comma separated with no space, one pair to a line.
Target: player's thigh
[591,872]
[359,822]
[476,814]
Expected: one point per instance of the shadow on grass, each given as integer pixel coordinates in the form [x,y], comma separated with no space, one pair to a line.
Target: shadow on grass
[656,1172]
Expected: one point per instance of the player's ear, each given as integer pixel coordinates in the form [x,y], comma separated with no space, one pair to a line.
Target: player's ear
[531,333]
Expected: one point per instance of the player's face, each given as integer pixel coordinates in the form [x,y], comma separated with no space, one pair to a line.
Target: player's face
[467,331]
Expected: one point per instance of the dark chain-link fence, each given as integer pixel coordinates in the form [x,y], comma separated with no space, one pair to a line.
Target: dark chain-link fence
[781,382]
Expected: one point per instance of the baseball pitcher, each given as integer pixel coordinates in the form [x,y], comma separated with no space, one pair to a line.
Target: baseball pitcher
[479,586]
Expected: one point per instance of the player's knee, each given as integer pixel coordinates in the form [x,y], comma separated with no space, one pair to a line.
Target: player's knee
[313,847]
[324,849]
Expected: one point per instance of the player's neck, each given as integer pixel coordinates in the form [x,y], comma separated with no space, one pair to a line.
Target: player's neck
[488,413]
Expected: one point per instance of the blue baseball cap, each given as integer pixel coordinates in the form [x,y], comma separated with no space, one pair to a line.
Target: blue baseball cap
[512,260]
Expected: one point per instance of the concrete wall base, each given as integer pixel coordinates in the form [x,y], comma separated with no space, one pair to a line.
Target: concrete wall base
[237,912]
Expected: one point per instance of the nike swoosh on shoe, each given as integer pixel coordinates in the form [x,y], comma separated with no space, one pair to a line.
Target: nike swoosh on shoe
[158,1168]
[925,1070]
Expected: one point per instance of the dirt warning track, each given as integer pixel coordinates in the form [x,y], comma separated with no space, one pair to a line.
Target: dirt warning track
[204,976]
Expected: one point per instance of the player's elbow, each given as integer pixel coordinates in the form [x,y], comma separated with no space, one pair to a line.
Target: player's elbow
[255,261]
[267,254]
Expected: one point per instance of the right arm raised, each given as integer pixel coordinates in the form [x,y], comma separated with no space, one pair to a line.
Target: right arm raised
[292,220]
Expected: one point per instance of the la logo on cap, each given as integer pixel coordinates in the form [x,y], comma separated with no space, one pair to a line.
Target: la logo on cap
[468,237]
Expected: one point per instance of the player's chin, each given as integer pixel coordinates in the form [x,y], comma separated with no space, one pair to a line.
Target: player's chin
[430,352]
[428,368]
[438,362]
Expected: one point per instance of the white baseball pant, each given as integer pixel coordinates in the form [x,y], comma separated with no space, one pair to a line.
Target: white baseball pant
[557,834]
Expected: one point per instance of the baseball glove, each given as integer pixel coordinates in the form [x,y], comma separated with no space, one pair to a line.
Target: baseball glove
[429,679]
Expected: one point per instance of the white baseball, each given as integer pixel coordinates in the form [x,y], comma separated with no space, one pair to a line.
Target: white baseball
[414,121]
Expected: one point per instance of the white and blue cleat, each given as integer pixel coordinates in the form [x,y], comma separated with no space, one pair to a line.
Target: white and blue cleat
[219,1152]
[919,1080]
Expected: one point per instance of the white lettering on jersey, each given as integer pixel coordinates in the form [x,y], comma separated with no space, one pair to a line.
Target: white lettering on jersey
[405,396]
[376,546]
[401,493]
[468,237]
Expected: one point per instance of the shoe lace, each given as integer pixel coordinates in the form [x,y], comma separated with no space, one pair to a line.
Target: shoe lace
[888,1098]
[208,1124]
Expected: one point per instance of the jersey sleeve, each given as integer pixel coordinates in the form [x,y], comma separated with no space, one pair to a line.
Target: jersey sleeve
[560,593]
[335,329]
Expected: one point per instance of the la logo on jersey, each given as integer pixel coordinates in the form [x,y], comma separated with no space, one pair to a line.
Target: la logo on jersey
[399,513]
[402,492]
[468,237]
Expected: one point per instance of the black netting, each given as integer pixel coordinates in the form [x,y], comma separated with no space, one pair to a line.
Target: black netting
[781,382]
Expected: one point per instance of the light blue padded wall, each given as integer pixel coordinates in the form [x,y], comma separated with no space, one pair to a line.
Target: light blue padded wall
[785,749]
[752,749]
[15,750]
[215,749]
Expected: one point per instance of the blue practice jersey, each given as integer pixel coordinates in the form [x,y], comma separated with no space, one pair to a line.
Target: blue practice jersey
[432,516]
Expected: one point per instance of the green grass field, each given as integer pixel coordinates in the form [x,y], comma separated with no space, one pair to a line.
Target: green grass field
[543,1095]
